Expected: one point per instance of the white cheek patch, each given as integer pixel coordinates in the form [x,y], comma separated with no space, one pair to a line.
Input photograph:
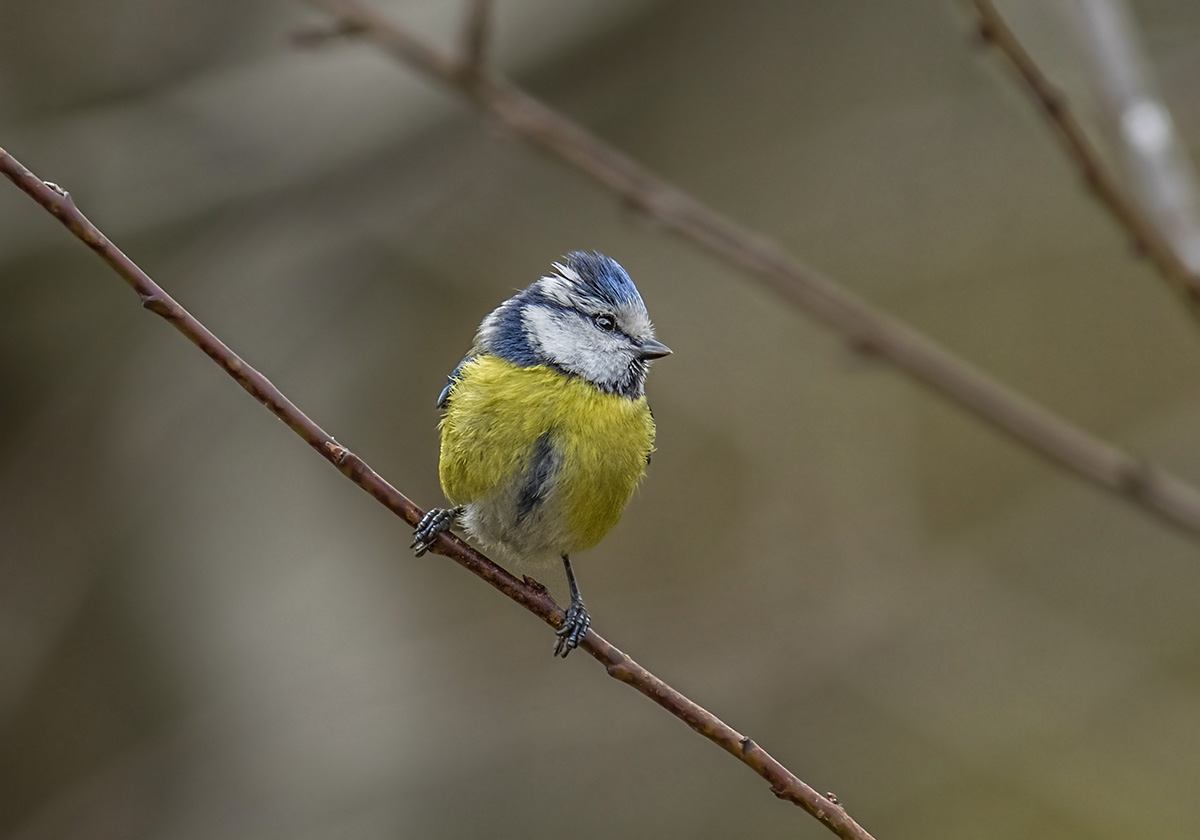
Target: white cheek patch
[575,345]
[558,335]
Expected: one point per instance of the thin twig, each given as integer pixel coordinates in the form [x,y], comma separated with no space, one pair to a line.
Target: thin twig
[1057,439]
[532,596]
[1159,174]
[1147,238]
[476,33]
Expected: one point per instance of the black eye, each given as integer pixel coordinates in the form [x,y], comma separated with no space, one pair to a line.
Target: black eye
[605,322]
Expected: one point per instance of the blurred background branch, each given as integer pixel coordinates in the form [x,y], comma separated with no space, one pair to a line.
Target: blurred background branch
[1164,226]
[1133,112]
[477,23]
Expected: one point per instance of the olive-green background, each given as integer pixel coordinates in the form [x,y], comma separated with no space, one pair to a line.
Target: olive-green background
[206,632]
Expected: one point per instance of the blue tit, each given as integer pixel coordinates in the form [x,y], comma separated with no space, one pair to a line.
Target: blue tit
[546,430]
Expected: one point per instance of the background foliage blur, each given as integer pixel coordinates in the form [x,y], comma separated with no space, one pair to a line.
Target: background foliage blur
[204,631]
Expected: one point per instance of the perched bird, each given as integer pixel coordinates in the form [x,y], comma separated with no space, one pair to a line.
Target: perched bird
[546,430]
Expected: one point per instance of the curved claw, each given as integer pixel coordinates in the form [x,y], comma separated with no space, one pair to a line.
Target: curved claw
[574,628]
[434,522]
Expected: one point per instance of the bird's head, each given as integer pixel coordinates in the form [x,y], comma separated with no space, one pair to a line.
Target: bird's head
[586,318]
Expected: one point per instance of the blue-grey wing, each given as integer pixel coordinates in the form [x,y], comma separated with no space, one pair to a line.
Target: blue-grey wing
[451,381]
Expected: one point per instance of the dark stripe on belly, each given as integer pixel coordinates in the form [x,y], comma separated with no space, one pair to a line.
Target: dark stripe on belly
[537,478]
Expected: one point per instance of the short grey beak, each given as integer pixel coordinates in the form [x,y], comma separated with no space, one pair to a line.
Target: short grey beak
[652,349]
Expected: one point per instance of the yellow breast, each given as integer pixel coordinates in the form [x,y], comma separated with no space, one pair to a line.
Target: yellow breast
[496,415]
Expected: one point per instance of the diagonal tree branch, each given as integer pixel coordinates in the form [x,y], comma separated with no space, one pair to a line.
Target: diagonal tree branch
[527,593]
[1146,236]
[1062,442]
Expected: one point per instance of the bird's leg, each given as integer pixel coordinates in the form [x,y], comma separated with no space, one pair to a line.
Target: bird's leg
[434,522]
[576,622]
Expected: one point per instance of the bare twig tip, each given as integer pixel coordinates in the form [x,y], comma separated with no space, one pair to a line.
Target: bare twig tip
[61,192]
[619,669]
[535,585]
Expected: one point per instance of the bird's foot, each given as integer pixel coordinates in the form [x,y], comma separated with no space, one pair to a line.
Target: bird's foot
[434,522]
[574,628]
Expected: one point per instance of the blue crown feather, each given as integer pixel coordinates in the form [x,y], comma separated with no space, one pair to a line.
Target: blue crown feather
[603,278]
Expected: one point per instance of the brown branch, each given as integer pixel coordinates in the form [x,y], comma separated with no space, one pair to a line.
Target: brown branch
[531,595]
[476,32]
[1057,439]
[1147,238]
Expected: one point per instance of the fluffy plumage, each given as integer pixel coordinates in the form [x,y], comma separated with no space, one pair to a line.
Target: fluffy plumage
[546,431]
[543,463]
